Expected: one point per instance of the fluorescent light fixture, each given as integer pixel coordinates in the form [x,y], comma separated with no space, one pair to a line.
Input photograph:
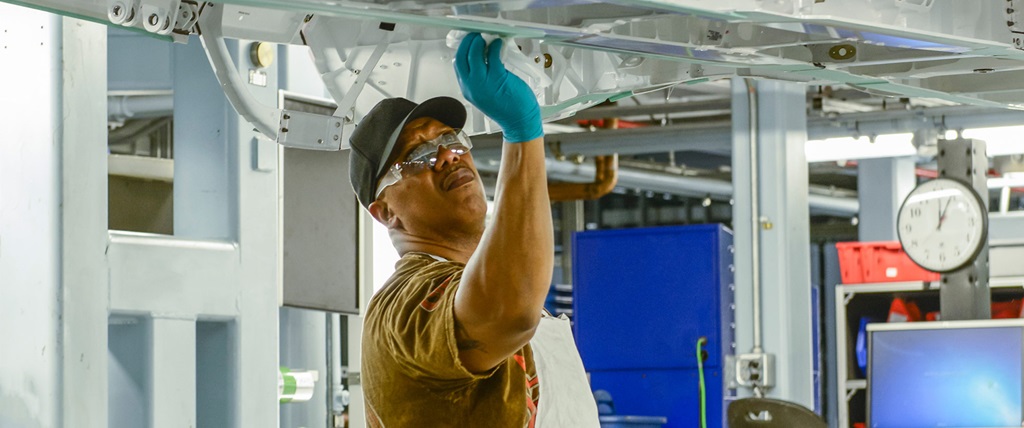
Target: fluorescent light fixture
[999,141]
[844,149]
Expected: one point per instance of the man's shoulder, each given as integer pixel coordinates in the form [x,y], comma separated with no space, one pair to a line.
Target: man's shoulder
[423,269]
[416,275]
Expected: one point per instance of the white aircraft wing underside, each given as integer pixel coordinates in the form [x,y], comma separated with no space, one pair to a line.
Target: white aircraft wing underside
[578,53]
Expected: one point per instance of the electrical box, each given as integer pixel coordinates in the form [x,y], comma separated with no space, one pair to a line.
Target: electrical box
[641,300]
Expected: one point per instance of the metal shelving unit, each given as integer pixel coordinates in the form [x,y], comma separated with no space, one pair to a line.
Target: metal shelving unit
[848,387]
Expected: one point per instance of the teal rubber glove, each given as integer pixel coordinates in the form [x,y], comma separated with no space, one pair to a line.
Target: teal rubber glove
[501,95]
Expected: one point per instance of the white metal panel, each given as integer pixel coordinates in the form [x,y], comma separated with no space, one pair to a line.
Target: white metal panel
[84,293]
[965,52]
[30,229]
[161,274]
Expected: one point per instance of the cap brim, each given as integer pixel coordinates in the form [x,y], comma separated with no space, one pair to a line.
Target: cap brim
[447,110]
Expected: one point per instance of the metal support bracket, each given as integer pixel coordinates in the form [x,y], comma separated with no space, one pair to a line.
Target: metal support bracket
[159,16]
[188,16]
[848,297]
[124,12]
[965,294]
[349,101]
[755,371]
[286,127]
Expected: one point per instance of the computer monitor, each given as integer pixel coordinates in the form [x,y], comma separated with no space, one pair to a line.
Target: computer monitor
[946,374]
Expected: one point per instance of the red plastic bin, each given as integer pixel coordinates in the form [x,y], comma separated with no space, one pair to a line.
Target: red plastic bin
[884,261]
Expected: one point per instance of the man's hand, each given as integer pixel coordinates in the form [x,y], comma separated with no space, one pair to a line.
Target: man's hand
[501,95]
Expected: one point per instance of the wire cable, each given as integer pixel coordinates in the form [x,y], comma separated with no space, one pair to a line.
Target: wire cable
[703,393]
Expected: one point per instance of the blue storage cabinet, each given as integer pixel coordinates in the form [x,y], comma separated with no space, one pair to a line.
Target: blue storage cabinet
[641,299]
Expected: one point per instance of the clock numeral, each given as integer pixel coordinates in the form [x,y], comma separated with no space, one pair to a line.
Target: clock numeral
[906,228]
[913,243]
[942,257]
[915,212]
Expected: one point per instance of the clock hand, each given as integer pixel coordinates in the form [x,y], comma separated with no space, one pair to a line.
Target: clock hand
[942,213]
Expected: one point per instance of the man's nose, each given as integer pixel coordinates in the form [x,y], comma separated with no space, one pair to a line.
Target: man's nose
[445,157]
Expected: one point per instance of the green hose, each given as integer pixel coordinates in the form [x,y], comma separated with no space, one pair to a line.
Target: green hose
[703,393]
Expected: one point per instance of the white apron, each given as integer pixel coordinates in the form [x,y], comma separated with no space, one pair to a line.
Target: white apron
[565,397]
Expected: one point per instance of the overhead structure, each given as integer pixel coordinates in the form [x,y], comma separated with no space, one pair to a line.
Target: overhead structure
[578,53]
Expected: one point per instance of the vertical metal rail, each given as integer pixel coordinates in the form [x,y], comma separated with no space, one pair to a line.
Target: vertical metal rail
[329,396]
[755,217]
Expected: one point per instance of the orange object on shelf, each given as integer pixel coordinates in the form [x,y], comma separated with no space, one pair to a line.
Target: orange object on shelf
[903,311]
[883,261]
[1002,310]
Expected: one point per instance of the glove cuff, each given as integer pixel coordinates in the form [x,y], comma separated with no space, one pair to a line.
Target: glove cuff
[528,128]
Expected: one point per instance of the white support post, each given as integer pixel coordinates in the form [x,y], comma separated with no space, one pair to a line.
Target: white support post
[53,216]
[778,129]
[85,294]
[173,397]
[30,229]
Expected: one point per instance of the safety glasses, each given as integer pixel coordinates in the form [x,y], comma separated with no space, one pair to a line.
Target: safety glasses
[424,157]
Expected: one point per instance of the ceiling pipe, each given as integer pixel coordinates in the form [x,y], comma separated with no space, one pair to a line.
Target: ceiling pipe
[673,184]
[704,105]
[122,107]
[716,137]
[604,177]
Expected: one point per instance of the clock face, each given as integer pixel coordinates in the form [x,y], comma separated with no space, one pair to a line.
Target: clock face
[942,225]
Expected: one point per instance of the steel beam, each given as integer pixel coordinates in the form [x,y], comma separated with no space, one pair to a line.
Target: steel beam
[965,293]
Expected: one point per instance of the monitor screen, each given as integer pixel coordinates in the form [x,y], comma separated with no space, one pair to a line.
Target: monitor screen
[945,374]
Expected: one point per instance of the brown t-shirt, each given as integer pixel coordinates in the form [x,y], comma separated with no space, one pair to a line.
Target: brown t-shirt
[411,372]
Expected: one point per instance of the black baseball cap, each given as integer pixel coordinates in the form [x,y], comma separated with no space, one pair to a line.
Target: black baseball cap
[375,136]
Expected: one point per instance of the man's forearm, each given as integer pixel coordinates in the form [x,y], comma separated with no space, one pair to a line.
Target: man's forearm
[515,258]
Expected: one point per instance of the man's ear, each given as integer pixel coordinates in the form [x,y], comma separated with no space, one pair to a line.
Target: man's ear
[380,212]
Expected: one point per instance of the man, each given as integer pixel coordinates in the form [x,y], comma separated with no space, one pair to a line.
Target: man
[447,340]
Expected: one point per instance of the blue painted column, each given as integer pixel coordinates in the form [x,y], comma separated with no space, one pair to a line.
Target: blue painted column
[772,115]
[205,144]
[882,184]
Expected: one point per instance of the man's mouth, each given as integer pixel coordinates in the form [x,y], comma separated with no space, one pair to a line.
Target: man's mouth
[458,178]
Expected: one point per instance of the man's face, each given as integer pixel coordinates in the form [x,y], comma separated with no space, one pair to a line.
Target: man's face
[447,198]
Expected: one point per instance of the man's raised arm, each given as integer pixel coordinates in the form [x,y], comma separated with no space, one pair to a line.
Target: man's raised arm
[503,288]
